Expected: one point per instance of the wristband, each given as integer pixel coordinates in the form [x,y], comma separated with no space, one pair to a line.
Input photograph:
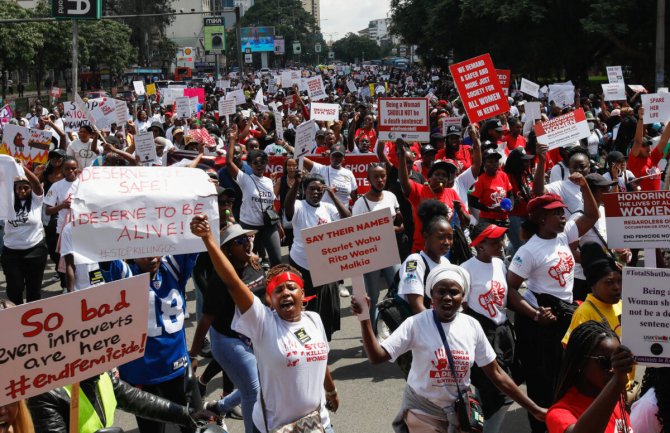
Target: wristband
[331,393]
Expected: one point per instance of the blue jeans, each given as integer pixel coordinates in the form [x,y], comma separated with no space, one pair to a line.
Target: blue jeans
[329,429]
[514,233]
[372,287]
[238,361]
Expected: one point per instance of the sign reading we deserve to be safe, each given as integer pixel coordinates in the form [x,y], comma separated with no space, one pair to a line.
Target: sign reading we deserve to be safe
[351,247]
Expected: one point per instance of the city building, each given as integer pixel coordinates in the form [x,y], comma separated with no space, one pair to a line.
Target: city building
[313,7]
[186,30]
[378,30]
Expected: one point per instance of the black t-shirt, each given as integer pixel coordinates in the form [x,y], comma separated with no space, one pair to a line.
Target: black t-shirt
[219,303]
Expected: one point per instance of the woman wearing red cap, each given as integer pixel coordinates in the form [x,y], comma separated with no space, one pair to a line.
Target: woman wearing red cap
[546,263]
[290,344]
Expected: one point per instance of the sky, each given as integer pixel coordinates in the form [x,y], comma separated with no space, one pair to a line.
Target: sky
[344,16]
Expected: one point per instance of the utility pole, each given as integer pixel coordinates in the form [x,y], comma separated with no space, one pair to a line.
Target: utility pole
[660,44]
[75,57]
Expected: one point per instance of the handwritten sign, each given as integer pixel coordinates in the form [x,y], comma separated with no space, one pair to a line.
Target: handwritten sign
[65,339]
[405,118]
[563,130]
[656,107]
[645,318]
[73,117]
[351,247]
[479,88]
[326,112]
[26,144]
[315,88]
[131,212]
[614,74]
[139,87]
[638,219]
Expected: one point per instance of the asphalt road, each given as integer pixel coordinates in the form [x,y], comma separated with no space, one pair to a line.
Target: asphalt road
[369,395]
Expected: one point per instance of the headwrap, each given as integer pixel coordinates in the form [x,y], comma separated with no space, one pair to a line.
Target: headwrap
[596,263]
[449,272]
[282,278]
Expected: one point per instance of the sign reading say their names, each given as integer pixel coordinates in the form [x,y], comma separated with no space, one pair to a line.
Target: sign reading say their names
[563,130]
[645,318]
[131,212]
[65,339]
[656,107]
[639,219]
[405,118]
[325,112]
[351,247]
[479,88]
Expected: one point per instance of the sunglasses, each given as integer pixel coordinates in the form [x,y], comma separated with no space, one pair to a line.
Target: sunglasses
[604,362]
[243,240]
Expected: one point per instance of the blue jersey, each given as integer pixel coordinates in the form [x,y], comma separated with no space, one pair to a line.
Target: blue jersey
[165,355]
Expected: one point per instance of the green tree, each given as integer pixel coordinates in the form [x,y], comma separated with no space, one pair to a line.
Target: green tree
[165,52]
[352,47]
[106,43]
[289,20]
[56,50]
[18,42]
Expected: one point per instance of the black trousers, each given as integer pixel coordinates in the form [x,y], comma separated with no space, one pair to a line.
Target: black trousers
[24,270]
[175,391]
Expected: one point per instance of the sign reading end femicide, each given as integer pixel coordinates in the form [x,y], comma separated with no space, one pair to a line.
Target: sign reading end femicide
[479,88]
[638,219]
[65,339]
[351,247]
[645,319]
[405,118]
[133,212]
[563,130]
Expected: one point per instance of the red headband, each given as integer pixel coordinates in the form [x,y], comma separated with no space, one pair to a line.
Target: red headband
[282,278]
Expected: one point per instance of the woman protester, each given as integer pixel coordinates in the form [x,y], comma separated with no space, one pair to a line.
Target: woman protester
[24,253]
[442,342]
[590,396]
[293,385]
[230,349]
[651,412]
[258,197]
[519,169]
[376,198]
[282,186]
[547,264]
[310,212]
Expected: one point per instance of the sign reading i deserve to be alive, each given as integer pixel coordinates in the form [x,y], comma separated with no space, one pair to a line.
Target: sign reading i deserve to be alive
[351,247]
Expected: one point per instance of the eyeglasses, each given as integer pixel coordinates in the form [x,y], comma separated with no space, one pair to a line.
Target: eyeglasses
[243,240]
[604,362]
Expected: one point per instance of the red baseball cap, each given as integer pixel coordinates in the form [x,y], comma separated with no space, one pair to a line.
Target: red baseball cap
[491,231]
[545,201]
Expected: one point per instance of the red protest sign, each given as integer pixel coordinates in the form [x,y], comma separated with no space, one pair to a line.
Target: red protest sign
[479,88]
[504,76]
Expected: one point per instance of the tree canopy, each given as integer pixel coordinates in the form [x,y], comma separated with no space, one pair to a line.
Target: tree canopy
[537,38]
[353,47]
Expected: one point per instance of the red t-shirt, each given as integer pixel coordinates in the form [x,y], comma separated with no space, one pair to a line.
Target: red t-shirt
[462,157]
[390,152]
[572,405]
[371,135]
[514,142]
[520,204]
[490,190]
[640,166]
[419,193]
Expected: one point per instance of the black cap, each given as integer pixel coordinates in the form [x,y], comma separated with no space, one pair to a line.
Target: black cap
[488,153]
[437,136]
[220,191]
[523,153]
[453,130]
[442,165]
[337,148]
[615,156]
[320,133]
[157,125]
[596,179]
[427,149]
[596,263]
[493,124]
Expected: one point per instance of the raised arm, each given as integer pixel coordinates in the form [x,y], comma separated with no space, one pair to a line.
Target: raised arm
[403,173]
[341,208]
[289,201]
[590,216]
[476,154]
[376,354]
[538,179]
[35,183]
[233,170]
[242,296]
[639,134]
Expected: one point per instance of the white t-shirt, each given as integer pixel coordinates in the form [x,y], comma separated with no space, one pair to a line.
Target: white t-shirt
[547,264]
[25,230]
[622,179]
[258,194]
[430,375]
[292,359]
[643,414]
[462,185]
[571,194]
[58,193]
[341,178]
[305,216]
[413,272]
[388,201]
[86,274]
[488,288]
[559,172]
[82,152]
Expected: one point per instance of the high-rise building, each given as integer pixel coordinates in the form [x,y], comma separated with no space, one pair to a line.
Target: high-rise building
[379,30]
[313,7]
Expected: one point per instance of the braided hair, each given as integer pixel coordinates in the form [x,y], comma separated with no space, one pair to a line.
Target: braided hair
[659,379]
[584,340]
